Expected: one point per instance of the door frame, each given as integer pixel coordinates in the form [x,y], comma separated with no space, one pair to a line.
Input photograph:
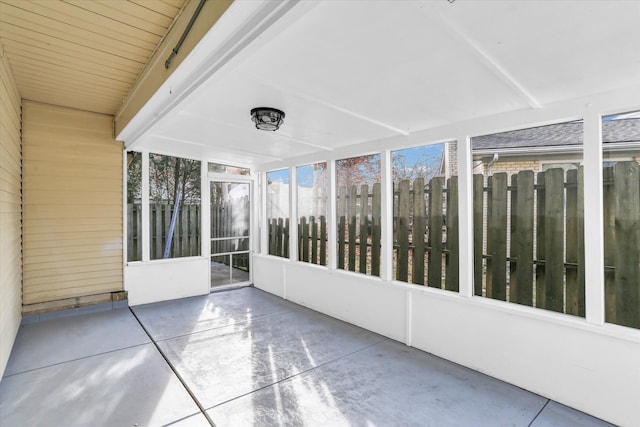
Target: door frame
[212,177]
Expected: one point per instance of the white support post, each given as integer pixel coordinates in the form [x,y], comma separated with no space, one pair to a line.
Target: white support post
[205,209]
[593,219]
[146,238]
[386,265]
[264,224]
[332,254]
[293,214]
[465,215]
[125,208]
[255,240]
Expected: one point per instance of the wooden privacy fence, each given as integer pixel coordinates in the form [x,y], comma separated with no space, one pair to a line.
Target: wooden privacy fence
[279,237]
[529,240]
[230,222]
[420,255]
[426,232]
[312,240]
[622,243]
[186,235]
[532,233]
[359,228]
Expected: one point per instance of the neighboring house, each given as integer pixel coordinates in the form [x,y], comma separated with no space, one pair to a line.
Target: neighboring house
[557,145]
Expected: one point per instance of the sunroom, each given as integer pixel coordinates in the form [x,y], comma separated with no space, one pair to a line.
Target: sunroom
[460,177]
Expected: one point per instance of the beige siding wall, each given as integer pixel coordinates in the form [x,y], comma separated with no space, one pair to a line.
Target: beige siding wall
[10,212]
[72,198]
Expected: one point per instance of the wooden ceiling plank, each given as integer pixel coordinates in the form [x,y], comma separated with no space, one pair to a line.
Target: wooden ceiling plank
[83,54]
[38,77]
[10,34]
[140,12]
[77,16]
[175,3]
[103,103]
[68,63]
[27,32]
[72,58]
[87,21]
[122,14]
[78,103]
[166,9]
[68,72]
[65,31]
[68,90]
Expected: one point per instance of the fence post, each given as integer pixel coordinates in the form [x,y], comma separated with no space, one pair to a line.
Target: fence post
[131,233]
[553,239]
[304,229]
[452,277]
[364,233]
[279,237]
[478,235]
[272,224]
[512,248]
[522,240]
[285,244]
[436,221]
[581,254]
[541,279]
[609,207]
[418,229]
[352,206]
[402,232]
[627,273]
[376,228]
[314,239]
[342,218]
[497,237]
[572,290]
[323,240]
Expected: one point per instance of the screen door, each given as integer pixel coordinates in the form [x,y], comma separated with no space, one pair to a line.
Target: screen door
[230,233]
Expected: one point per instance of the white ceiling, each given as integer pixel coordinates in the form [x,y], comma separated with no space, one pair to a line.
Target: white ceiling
[348,72]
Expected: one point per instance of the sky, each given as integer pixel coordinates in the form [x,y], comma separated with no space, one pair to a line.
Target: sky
[281,175]
[412,155]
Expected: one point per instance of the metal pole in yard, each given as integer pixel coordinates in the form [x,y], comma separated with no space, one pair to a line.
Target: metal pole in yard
[172,227]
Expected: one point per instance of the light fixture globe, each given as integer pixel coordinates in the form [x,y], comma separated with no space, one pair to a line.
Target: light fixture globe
[267,118]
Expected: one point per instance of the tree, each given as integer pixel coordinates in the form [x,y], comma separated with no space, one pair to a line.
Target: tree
[421,162]
[166,173]
[358,171]
[134,176]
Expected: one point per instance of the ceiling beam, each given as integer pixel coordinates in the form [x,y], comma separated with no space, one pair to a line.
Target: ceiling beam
[239,27]
[482,55]
[324,103]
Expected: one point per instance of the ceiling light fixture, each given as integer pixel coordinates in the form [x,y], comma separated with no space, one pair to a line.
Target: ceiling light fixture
[267,118]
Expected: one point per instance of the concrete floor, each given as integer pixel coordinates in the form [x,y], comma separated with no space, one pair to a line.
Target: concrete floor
[242,358]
